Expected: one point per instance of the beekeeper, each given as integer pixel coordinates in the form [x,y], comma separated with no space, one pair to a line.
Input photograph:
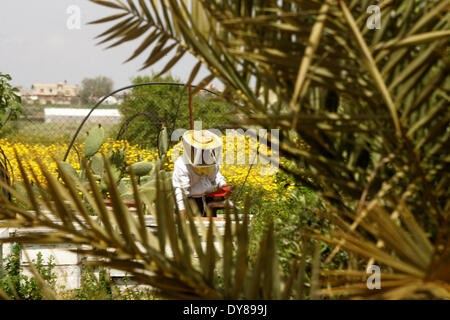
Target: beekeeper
[197,172]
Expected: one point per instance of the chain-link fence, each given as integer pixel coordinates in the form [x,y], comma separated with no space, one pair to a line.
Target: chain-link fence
[135,115]
[57,123]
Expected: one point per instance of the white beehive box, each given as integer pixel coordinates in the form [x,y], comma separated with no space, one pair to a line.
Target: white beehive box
[68,265]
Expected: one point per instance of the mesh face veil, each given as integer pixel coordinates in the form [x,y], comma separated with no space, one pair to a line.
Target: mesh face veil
[202,149]
[204,170]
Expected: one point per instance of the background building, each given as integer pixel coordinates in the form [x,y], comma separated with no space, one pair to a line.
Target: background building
[51,93]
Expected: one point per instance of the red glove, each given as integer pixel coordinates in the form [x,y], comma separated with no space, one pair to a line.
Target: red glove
[221,192]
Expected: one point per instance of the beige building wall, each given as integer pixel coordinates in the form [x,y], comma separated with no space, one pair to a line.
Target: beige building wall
[51,93]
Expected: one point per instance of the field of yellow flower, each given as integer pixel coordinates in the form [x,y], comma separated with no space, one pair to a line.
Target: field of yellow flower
[235,173]
[241,169]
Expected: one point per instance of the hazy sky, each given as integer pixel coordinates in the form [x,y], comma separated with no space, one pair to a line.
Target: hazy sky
[36,46]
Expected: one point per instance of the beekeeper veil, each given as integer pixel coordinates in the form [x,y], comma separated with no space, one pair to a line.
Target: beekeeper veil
[202,149]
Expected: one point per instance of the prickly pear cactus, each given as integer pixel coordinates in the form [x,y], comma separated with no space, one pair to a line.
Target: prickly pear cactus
[5,174]
[94,141]
[96,164]
[163,143]
[142,168]
[145,172]
[68,169]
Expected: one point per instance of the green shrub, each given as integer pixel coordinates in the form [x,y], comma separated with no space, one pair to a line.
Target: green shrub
[291,210]
[101,287]
[19,286]
[93,288]
[160,102]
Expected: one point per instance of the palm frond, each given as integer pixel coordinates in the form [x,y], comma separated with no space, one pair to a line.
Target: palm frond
[117,238]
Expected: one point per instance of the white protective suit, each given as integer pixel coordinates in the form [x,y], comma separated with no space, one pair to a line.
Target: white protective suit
[186,181]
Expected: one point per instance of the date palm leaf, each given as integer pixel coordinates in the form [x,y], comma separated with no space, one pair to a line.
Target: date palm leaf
[181,257]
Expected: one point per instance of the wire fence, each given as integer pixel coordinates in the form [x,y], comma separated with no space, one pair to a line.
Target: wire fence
[57,123]
[135,116]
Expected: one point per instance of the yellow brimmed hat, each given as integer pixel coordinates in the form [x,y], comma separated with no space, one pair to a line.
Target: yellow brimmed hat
[202,148]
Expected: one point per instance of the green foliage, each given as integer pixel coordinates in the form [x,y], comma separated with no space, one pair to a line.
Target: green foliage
[10,101]
[93,162]
[29,132]
[138,294]
[10,109]
[370,104]
[159,104]
[291,208]
[19,286]
[142,168]
[93,288]
[99,286]
[179,269]
[163,142]
[174,259]
[94,88]
[94,141]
